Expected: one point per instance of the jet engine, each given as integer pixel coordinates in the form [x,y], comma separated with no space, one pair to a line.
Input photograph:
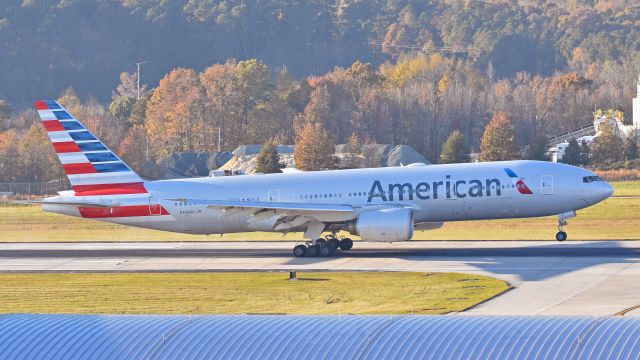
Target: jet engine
[384,225]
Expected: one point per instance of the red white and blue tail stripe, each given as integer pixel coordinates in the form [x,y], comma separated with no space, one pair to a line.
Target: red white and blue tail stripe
[91,167]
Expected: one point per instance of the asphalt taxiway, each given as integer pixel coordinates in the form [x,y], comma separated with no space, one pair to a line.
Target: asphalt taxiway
[571,278]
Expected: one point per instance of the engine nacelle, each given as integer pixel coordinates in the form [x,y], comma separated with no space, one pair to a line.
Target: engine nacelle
[384,225]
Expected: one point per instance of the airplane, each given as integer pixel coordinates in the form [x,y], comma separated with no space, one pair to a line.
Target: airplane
[377,204]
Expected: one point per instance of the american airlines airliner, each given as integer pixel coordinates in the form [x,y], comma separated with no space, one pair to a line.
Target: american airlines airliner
[378,204]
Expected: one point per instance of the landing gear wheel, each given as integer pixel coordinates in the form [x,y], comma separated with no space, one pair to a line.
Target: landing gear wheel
[312,251]
[333,243]
[346,244]
[300,251]
[326,251]
[561,236]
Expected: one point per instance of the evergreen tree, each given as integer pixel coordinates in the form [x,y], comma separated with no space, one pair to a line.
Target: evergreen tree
[585,154]
[314,148]
[268,161]
[607,147]
[537,149]
[572,153]
[5,112]
[498,140]
[455,149]
[631,147]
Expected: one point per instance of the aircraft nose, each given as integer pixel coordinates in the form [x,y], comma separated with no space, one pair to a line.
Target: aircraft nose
[607,189]
[601,191]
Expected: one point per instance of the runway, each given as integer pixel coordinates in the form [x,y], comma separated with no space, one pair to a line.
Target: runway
[571,278]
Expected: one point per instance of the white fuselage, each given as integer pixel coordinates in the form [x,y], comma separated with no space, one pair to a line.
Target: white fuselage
[435,193]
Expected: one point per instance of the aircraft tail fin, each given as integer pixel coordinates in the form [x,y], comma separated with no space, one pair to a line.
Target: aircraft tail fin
[92,168]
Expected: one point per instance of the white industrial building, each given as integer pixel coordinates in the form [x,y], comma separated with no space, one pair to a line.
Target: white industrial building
[591,131]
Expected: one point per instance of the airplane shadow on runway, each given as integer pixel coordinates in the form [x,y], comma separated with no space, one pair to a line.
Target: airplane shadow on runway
[529,263]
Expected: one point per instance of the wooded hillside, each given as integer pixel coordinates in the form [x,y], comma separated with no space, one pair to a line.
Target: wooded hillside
[260,70]
[49,45]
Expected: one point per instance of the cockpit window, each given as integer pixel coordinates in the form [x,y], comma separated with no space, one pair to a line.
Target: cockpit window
[588,179]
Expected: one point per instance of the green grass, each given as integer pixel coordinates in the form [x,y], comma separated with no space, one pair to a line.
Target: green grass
[615,218]
[239,293]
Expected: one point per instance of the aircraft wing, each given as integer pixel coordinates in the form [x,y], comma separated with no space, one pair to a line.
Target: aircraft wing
[264,205]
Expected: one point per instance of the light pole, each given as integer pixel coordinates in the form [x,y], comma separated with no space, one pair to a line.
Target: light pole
[138,64]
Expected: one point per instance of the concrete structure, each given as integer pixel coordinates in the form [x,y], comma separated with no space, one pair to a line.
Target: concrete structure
[549,278]
[316,337]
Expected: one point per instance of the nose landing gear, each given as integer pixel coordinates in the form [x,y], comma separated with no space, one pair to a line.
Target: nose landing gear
[562,221]
[561,235]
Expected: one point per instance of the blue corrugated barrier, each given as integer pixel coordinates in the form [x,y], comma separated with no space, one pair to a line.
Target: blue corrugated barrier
[317,337]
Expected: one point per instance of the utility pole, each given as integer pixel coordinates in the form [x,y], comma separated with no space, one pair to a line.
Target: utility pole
[138,64]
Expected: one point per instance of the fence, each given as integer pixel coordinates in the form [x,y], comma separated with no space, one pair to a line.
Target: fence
[34,188]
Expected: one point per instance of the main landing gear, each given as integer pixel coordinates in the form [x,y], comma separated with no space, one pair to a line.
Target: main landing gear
[322,247]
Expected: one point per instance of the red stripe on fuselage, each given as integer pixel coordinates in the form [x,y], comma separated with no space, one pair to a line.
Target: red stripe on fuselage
[80,168]
[53,125]
[110,189]
[66,147]
[121,211]
[41,105]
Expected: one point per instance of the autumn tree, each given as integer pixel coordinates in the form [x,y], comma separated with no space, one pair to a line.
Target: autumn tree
[134,148]
[37,158]
[223,102]
[255,90]
[315,148]
[9,158]
[607,147]
[268,161]
[318,110]
[571,154]
[498,140]
[175,114]
[455,149]
[128,87]
[352,157]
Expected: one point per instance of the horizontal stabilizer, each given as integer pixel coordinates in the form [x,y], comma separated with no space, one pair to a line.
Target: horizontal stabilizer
[69,203]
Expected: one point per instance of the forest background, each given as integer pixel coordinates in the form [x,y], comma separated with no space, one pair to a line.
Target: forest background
[385,71]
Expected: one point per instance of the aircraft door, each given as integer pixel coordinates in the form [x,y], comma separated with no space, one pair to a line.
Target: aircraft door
[273,195]
[155,209]
[546,185]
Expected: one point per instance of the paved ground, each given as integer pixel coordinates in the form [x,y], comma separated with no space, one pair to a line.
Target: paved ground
[572,278]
